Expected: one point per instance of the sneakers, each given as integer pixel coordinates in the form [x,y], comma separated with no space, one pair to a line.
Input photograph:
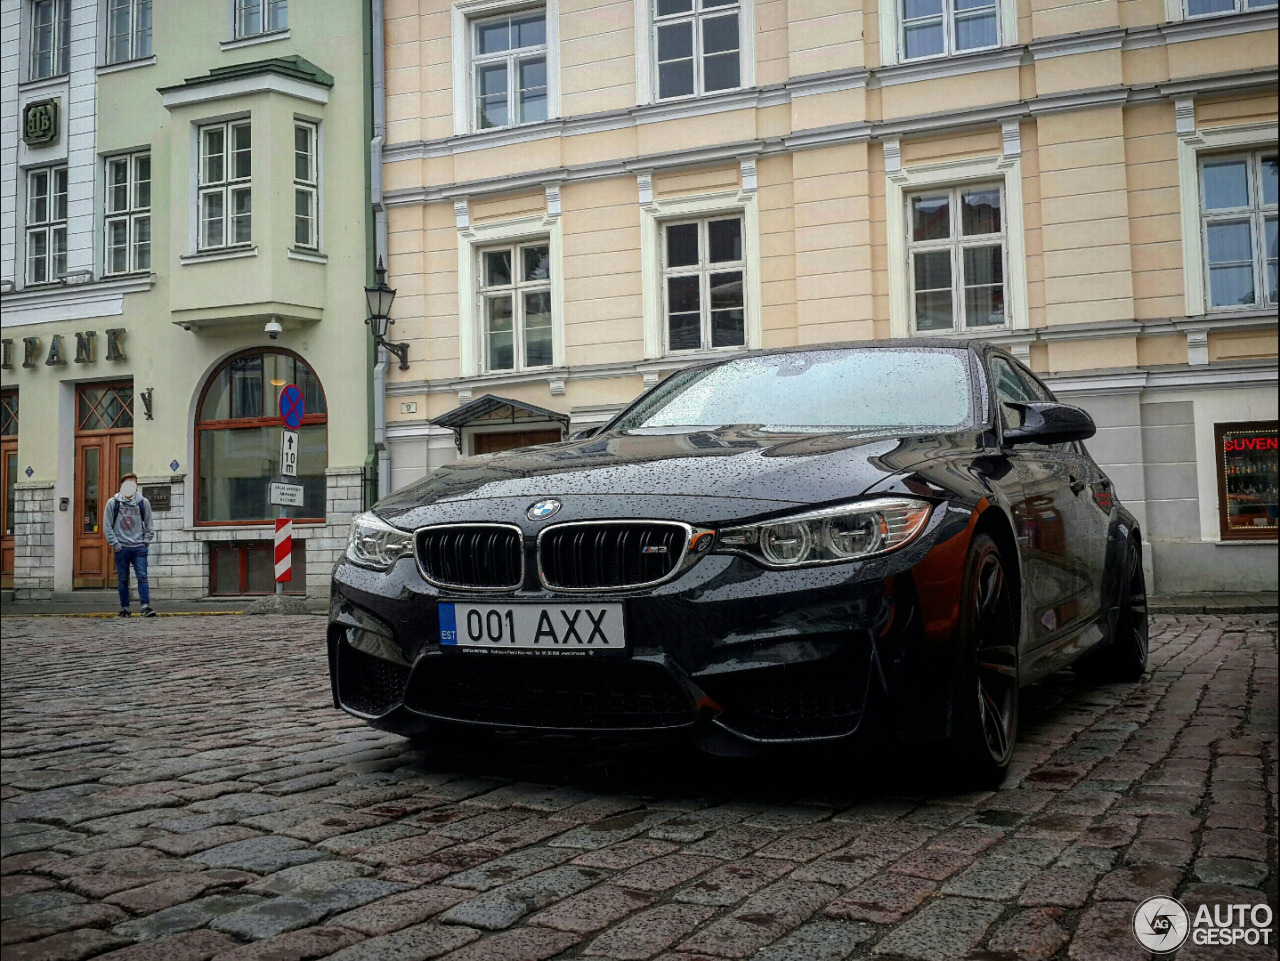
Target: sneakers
[148,612]
[125,612]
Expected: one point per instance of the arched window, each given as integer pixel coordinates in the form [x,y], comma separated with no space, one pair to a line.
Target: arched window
[238,439]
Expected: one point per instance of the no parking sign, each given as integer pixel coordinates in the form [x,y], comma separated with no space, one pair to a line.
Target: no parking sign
[292,408]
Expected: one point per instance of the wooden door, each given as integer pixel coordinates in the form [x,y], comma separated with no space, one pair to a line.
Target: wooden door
[8,478]
[510,439]
[104,452]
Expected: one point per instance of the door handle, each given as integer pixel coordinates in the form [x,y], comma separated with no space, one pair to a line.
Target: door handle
[1077,485]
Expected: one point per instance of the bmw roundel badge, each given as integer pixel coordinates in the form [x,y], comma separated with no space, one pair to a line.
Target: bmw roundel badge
[541,510]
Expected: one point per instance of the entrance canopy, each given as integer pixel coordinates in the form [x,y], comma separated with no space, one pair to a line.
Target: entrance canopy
[491,411]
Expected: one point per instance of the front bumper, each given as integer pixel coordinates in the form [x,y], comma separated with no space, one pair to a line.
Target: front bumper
[728,652]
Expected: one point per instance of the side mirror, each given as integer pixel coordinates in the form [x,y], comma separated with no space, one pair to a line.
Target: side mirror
[584,433]
[1050,424]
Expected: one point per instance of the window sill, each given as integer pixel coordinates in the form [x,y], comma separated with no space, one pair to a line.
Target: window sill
[1246,542]
[50,82]
[256,39]
[309,256]
[123,65]
[211,256]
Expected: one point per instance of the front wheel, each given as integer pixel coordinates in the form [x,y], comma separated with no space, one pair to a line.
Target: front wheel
[985,697]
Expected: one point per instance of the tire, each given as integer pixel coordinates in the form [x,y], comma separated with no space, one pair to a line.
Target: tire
[985,695]
[1123,656]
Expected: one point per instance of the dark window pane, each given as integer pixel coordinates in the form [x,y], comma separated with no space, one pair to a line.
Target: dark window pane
[497,268]
[668,7]
[491,80]
[1230,243]
[529,31]
[1231,286]
[726,290]
[983,265]
[721,72]
[933,310]
[915,9]
[728,328]
[1199,8]
[930,218]
[980,212]
[685,331]
[492,37]
[498,313]
[537,263]
[923,40]
[260,566]
[537,347]
[1226,183]
[675,79]
[675,41]
[724,237]
[501,352]
[1269,178]
[720,34]
[682,294]
[984,306]
[533,106]
[226,570]
[533,73]
[975,32]
[682,245]
[933,269]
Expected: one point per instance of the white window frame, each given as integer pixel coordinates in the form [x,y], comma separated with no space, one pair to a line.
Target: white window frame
[59,37]
[955,243]
[702,270]
[647,52]
[472,239]
[48,225]
[1178,10]
[240,10]
[655,214]
[132,215]
[1192,144]
[464,14]
[892,48]
[902,183]
[227,186]
[510,60]
[1256,214]
[516,290]
[308,185]
[140,44]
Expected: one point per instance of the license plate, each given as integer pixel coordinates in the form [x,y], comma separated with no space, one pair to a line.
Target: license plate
[553,628]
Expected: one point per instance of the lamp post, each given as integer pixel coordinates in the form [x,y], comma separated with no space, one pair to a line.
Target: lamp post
[380,298]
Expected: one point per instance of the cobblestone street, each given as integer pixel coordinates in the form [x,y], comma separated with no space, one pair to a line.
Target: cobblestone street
[182,789]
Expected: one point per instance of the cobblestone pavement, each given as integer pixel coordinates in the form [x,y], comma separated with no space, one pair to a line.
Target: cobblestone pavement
[182,789]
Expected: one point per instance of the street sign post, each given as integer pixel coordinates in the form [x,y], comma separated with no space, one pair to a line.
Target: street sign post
[285,495]
[288,453]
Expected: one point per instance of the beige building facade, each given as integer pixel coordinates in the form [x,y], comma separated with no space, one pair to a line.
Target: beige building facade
[580,197]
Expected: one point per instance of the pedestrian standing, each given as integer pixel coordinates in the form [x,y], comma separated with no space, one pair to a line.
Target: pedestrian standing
[127,521]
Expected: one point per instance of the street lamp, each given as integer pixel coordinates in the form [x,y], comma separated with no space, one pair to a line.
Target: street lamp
[380,297]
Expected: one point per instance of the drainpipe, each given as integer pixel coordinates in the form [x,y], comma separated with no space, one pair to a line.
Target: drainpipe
[380,236]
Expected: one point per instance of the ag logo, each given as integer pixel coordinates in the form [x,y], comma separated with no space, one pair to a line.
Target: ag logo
[541,510]
[1160,924]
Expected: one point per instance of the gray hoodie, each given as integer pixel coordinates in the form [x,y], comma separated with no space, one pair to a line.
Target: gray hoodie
[128,522]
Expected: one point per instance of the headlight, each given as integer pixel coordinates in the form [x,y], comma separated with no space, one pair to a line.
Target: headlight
[829,536]
[375,543]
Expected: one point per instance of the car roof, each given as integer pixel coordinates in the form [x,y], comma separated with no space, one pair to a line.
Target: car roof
[894,343]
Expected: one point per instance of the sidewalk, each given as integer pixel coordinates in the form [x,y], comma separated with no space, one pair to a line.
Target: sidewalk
[1263,602]
[97,603]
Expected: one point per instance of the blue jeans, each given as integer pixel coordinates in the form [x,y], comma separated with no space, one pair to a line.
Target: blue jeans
[137,556]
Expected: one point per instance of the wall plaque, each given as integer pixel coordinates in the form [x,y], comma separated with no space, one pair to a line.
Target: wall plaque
[158,495]
[40,122]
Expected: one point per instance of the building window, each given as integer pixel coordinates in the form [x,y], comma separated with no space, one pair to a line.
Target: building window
[249,568]
[509,69]
[939,28]
[127,222]
[956,252]
[226,198]
[1238,215]
[703,268]
[306,182]
[1208,8]
[1248,474]
[515,302]
[256,17]
[50,38]
[238,439]
[697,45]
[128,30]
[46,240]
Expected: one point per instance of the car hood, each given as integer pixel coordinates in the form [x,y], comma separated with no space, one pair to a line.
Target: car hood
[700,476]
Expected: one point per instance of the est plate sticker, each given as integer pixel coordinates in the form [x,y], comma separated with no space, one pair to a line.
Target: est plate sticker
[554,628]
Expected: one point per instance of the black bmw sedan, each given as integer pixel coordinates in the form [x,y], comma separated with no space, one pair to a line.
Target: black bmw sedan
[880,540]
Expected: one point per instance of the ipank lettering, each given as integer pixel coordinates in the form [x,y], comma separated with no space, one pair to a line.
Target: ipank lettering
[55,353]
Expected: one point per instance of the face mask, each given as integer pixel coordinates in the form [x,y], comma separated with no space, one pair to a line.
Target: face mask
[128,489]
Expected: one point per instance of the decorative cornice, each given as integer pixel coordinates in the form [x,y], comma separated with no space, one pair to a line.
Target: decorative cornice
[289,75]
[945,68]
[80,302]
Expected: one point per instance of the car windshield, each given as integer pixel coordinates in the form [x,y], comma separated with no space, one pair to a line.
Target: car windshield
[818,390]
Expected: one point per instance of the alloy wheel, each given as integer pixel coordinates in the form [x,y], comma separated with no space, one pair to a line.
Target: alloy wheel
[1133,622]
[997,657]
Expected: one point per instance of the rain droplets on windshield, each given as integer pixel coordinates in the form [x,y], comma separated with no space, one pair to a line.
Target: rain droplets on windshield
[851,389]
